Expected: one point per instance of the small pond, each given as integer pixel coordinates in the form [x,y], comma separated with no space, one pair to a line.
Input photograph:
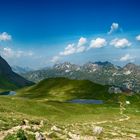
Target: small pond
[8,93]
[86,101]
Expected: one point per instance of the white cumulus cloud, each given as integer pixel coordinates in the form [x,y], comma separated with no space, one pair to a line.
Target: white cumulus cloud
[127,57]
[138,38]
[114,27]
[70,49]
[82,41]
[5,36]
[98,43]
[120,43]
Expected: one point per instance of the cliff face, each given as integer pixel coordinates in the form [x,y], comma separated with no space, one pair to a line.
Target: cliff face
[8,77]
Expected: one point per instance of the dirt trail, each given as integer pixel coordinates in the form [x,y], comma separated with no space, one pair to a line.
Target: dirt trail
[125,117]
[122,109]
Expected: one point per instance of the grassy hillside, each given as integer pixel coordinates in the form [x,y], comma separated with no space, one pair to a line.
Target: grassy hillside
[64,120]
[5,84]
[65,89]
[76,119]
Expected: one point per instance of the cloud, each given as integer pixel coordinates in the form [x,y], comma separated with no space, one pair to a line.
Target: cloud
[80,47]
[55,59]
[82,41]
[138,38]
[5,37]
[127,57]
[70,49]
[10,53]
[120,43]
[98,43]
[114,27]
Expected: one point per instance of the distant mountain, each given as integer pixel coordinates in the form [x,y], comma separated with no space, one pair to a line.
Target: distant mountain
[104,73]
[9,79]
[20,70]
[65,89]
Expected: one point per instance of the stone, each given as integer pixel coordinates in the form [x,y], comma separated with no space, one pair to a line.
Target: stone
[97,130]
[39,136]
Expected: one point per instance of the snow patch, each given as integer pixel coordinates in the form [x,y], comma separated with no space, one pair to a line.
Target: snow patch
[127,72]
[67,71]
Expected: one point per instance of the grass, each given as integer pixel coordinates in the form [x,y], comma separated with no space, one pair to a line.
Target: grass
[78,119]
[65,89]
[5,84]
[48,108]
[3,90]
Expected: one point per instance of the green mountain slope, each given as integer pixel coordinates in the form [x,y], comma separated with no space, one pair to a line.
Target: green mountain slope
[65,89]
[9,80]
[6,84]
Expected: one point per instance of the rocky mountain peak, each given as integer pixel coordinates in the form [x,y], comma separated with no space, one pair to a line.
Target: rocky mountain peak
[131,67]
[106,63]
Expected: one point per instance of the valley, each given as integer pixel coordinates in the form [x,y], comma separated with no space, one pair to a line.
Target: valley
[67,109]
[69,69]
[59,120]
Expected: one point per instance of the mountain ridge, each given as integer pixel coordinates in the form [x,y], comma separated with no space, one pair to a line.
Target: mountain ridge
[104,73]
[9,79]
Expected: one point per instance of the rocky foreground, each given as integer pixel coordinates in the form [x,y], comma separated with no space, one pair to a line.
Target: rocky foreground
[44,130]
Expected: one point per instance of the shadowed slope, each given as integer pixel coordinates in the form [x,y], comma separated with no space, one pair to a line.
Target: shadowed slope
[9,79]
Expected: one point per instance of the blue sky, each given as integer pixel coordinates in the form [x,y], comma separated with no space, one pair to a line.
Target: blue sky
[38,33]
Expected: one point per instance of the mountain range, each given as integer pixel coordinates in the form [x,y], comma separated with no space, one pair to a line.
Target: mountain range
[18,69]
[104,73]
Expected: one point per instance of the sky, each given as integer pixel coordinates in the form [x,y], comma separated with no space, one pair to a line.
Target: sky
[40,33]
